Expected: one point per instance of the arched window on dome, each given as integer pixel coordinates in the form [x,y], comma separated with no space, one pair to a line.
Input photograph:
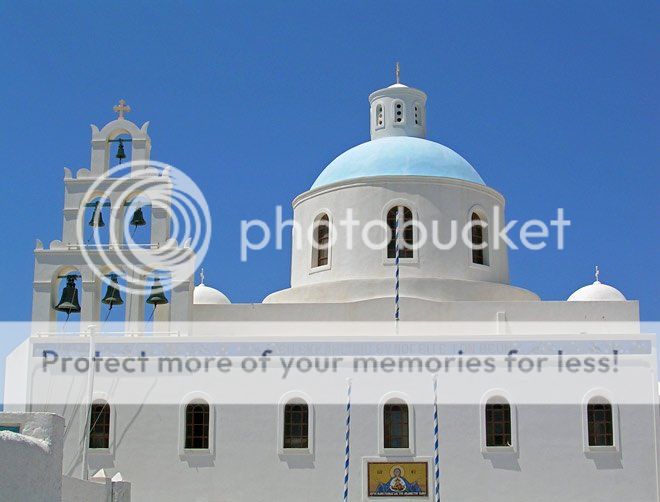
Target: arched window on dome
[479,239]
[405,232]
[379,119]
[600,423]
[197,426]
[399,112]
[99,425]
[321,242]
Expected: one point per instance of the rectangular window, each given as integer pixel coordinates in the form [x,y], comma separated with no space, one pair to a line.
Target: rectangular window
[405,238]
[323,241]
[296,425]
[99,426]
[599,417]
[197,426]
[395,422]
[498,425]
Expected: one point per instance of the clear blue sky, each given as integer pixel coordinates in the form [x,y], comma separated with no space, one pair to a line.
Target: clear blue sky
[554,103]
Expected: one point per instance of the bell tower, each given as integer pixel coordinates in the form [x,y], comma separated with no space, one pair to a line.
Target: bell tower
[88,266]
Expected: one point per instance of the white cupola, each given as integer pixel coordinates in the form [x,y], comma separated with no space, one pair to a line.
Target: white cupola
[205,295]
[597,292]
[398,110]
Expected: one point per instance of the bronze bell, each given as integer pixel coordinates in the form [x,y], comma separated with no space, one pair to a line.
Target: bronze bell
[157,296]
[97,217]
[69,300]
[138,218]
[112,294]
[121,154]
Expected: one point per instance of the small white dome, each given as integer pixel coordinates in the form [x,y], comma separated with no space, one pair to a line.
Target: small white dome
[204,295]
[597,292]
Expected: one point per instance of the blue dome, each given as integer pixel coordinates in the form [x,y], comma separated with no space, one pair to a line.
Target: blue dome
[398,156]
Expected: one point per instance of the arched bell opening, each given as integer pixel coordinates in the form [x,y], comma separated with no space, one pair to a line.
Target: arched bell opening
[120,148]
[137,220]
[96,221]
[112,296]
[67,299]
[157,298]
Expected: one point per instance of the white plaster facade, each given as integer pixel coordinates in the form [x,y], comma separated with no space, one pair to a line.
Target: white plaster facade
[31,456]
[245,461]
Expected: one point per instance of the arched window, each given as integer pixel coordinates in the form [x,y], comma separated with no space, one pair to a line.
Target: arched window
[99,425]
[479,240]
[320,252]
[380,120]
[498,424]
[399,112]
[197,426]
[600,424]
[418,118]
[405,232]
[395,426]
[296,425]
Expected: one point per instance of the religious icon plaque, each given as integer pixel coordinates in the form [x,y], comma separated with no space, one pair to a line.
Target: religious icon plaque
[397,479]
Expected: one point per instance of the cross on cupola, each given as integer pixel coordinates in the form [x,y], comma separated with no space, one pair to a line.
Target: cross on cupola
[121,108]
[397,73]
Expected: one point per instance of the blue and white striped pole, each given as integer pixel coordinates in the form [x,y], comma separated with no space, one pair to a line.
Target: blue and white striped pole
[396,264]
[347,458]
[436,458]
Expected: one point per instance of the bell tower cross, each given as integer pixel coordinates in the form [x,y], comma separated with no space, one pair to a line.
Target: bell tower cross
[121,108]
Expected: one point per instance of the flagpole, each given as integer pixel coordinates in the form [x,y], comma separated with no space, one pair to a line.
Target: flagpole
[347,457]
[436,458]
[90,400]
[397,254]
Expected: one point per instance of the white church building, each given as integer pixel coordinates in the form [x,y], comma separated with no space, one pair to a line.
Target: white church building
[460,426]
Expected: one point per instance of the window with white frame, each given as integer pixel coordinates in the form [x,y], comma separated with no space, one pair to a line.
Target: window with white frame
[99,425]
[600,423]
[497,418]
[399,221]
[396,430]
[380,117]
[296,425]
[321,241]
[399,112]
[479,239]
[197,426]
